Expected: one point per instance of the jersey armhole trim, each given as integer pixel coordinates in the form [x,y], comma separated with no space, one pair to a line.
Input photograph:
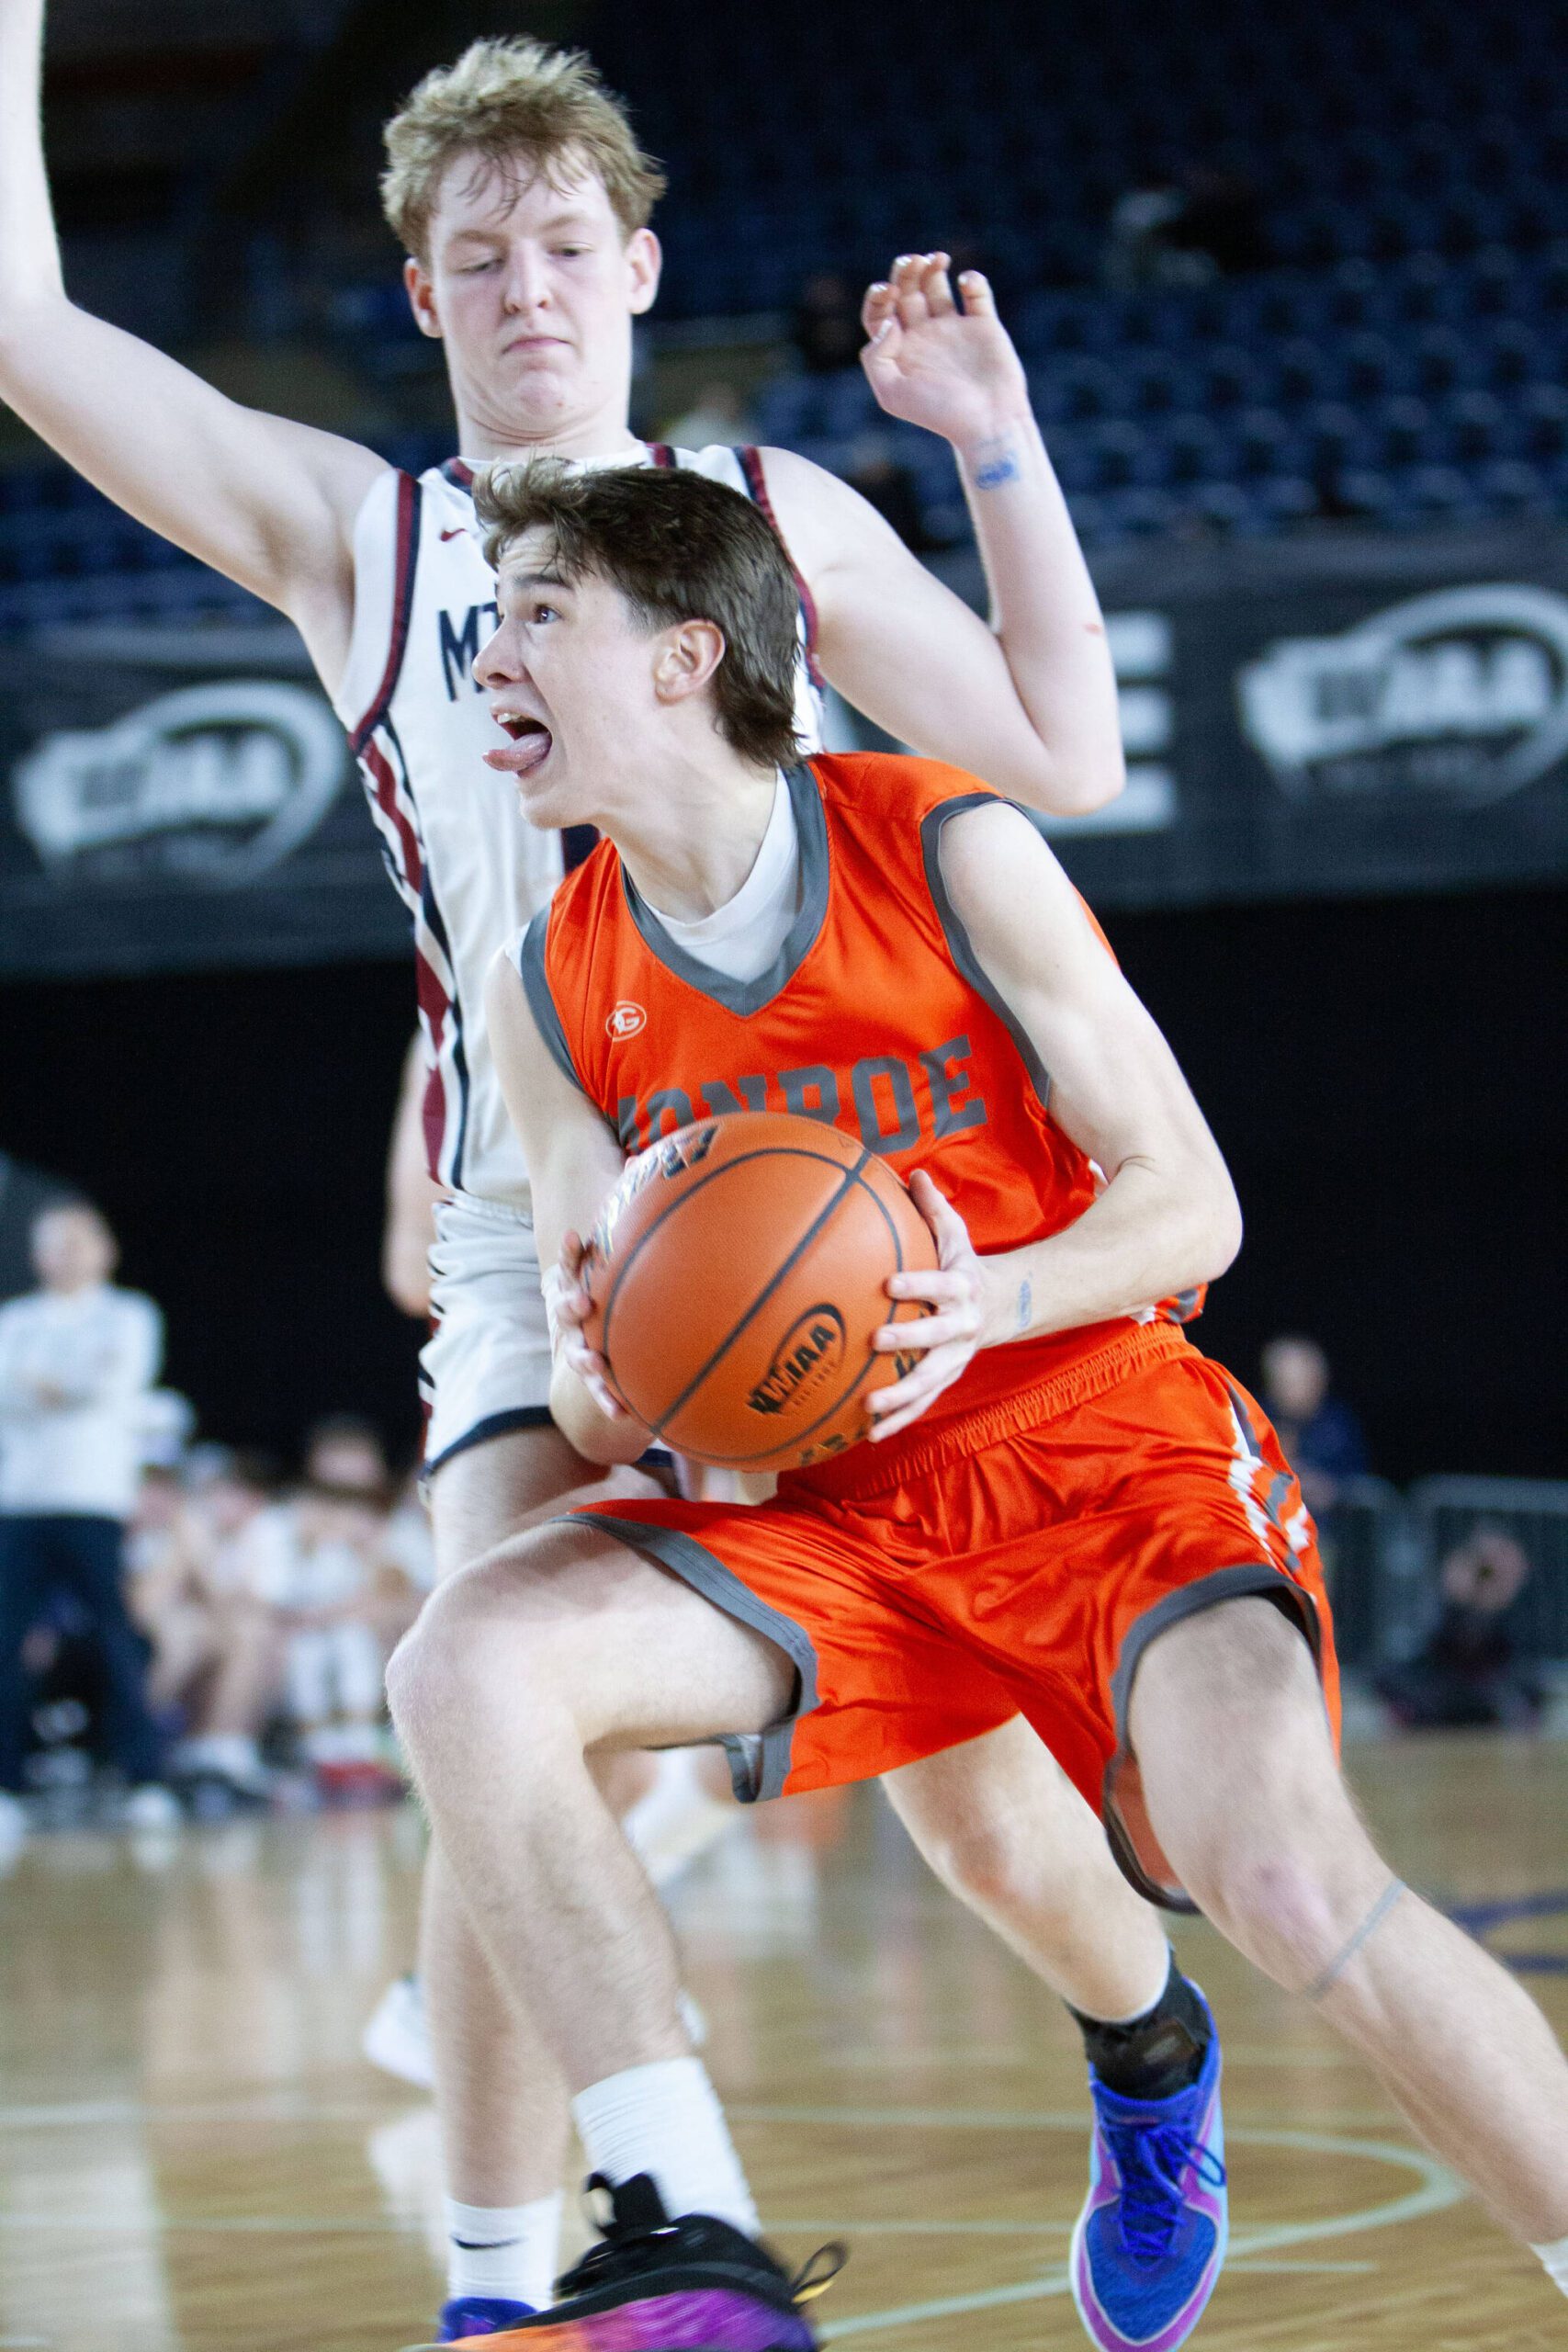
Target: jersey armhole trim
[541,1002]
[756,480]
[959,945]
[410,495]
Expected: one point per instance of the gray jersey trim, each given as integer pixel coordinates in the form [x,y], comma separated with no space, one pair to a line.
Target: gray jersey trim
[530,962]
[758,1761]
[750,996]
[1258,1579]
[959,945]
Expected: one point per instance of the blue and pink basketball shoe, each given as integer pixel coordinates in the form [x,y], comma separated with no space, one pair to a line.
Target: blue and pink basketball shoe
[1150,2242]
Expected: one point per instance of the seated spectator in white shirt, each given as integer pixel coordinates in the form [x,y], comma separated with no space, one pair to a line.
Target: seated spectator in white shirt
[215,1650]
[77,1359]
[316,1561]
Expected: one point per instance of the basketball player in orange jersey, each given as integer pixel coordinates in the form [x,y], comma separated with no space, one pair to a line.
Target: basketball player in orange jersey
[522,194]
[1064,1506]
[524,199]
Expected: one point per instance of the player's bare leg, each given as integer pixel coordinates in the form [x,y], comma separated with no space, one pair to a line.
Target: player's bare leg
[1246,1799]
[1003,1827]
[562,1647]
[503,2160]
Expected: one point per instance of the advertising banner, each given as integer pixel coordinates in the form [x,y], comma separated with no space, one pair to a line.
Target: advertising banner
[1334,717]
[1310,716]
[175,800]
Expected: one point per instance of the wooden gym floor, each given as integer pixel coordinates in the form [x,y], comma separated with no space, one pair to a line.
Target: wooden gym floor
[193,2158]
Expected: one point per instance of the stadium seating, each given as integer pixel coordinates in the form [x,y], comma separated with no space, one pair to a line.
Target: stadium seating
[1399,356]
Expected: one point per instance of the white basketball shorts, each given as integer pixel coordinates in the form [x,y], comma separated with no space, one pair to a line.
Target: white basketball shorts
[486,1366]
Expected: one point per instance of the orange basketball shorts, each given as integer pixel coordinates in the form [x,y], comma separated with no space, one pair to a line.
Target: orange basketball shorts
[1018,1562]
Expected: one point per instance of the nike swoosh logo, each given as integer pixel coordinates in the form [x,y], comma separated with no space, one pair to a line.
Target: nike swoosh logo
[458,533]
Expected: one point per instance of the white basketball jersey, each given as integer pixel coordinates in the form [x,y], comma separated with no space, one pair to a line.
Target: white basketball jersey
[470,868]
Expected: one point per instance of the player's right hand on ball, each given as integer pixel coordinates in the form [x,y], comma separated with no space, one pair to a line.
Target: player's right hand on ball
[569,1306]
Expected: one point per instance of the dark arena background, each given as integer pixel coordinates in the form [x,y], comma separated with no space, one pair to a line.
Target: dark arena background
[1290,288]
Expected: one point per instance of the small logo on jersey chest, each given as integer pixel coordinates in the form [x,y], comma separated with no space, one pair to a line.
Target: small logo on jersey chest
[625,1020]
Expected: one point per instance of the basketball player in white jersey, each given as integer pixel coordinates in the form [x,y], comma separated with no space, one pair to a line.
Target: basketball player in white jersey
[517,187]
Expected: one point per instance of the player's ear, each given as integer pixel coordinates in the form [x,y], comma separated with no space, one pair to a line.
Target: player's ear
[687,657]
[421,299]
[645,260]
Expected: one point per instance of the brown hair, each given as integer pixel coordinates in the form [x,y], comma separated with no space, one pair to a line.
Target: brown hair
[679,547]
[506,103]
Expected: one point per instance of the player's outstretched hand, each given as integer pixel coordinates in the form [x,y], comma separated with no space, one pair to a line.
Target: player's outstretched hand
[569,1306]
[952,1330]
[943,362]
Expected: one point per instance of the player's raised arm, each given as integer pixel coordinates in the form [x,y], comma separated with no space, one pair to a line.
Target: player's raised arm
[1029,703]
[574,1160]
[269,503]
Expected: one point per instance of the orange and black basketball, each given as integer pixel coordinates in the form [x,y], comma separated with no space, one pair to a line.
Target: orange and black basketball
[738,1272]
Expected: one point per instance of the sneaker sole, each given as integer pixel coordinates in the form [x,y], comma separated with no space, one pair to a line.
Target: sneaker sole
[575,2335]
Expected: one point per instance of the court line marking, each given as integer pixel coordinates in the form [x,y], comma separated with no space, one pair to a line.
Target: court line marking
[1439,2189]
[1296,2269]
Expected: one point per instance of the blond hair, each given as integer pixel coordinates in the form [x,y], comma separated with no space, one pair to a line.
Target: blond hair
[504,102]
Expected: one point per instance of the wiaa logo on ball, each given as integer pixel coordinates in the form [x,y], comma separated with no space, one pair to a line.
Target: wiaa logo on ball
[810,1353]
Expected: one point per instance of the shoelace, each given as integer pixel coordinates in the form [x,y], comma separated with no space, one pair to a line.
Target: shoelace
[809,2281]
[1151,2160]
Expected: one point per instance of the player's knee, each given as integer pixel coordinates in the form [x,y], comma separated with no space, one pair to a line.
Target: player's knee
[478,1653]
[444,1671]
[1282,1891]
[996,1866]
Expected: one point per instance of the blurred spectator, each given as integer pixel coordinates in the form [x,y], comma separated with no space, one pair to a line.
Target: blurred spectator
[1467,1676]
[228,1497]
[215,1649]
[1321,1435]
[1220,219]
[1187,230]
[318,1562]
[345,1452]
[716,416]
[77,1359]
[25,1193]
[826,329]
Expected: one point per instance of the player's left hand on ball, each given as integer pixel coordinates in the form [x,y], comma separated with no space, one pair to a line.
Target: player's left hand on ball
[937,359]
[569,1305]
[949,1334]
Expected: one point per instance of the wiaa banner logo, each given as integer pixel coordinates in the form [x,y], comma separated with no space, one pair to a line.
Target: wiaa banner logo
[1461,695]
[213,786]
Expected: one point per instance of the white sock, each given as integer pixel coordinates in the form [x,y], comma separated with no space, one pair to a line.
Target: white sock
[507,2252]
[1555,2258]
[665,2120]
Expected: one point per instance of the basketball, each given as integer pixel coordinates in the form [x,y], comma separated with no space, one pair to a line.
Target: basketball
[737,1274]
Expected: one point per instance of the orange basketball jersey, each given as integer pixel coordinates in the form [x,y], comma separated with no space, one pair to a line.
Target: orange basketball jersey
[876,1016]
